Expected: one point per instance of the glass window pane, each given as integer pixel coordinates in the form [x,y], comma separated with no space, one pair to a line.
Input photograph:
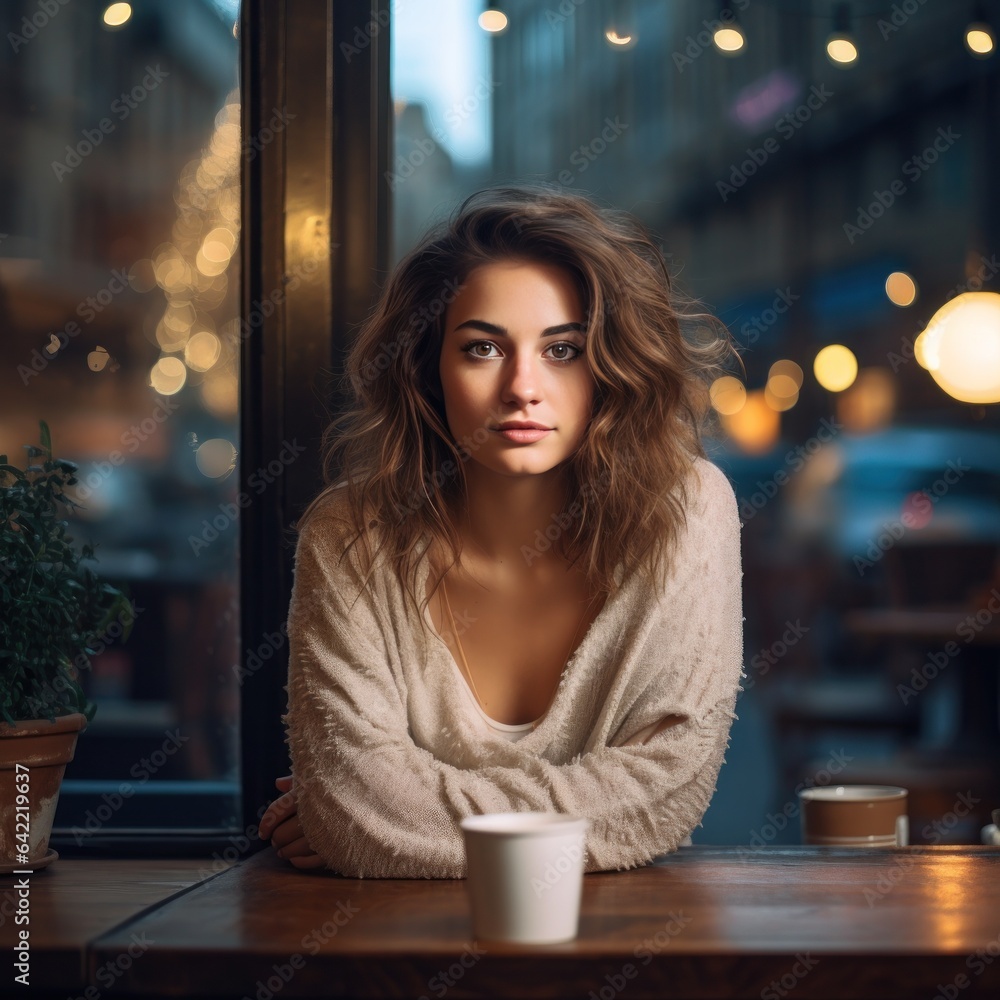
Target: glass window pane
[808,204]
[119,289]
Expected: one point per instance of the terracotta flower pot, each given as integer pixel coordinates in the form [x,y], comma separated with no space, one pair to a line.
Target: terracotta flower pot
[44,748]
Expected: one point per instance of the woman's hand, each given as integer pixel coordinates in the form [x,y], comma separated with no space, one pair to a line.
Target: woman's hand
[281,824]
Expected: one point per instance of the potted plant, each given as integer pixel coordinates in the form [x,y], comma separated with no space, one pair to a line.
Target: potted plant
[53,607]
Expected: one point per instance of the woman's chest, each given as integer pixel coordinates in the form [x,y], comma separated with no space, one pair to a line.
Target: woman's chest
[512,650]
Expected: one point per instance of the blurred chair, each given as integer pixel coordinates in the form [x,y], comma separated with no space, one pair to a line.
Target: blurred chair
[833,691]
[926,586]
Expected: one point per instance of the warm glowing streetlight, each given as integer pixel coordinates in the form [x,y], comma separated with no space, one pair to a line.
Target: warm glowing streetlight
[117,14]
[729,39]
[840,46]
[621,41]
[493,21]
[979,39]
[961,347]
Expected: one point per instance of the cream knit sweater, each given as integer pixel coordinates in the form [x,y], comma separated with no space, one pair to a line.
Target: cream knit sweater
[386,762]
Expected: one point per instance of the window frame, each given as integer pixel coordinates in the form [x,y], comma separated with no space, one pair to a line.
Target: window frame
[302,190]
[301,187]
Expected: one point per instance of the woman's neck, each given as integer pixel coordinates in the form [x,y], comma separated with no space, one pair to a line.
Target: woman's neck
[508,522]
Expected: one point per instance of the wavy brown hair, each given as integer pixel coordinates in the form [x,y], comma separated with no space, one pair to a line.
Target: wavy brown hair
[399,473]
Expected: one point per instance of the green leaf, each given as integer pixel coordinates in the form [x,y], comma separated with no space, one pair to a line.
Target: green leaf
[51,603]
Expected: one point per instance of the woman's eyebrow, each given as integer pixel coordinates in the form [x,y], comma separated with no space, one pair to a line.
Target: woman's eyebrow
[499,331]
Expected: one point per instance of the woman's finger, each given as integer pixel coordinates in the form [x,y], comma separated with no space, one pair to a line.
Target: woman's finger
[296,848]
[309,861]
[277,812]
[286,833]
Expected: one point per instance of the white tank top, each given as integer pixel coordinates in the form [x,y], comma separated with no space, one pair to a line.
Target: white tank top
[482,720]
[508,731]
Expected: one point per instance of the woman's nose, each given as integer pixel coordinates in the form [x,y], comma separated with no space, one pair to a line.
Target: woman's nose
[521,378]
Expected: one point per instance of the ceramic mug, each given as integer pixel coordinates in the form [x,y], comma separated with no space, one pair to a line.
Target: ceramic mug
[855,816]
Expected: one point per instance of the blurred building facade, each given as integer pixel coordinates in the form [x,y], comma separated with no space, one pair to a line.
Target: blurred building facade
[120,212]
[759,170]
[785,190]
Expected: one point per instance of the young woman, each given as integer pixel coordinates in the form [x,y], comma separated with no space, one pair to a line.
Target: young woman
[522,467]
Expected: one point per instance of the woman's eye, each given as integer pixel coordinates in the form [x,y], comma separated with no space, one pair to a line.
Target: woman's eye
[563,357]
[473,350]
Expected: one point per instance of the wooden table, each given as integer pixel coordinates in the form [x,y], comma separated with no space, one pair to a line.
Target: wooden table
[702,923]
[73,902]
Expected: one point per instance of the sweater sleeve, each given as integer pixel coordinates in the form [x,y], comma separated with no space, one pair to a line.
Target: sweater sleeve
[374,804]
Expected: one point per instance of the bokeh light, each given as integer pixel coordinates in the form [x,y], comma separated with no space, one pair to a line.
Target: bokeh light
[117,14]
[493,21]
[202,351]
[901,288]
[835,367]
[620,41]
[841,50]
[869,404]
[961,347]
[788,369]
[728,395]
[917,510]
[979,39]
[215,458]
[168,376]
[729,39]
[755,428]
[783,382]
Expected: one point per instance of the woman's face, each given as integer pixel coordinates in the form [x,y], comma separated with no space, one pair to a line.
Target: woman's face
[513,349]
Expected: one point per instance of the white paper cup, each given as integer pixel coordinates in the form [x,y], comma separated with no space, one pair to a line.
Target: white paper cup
[525,875]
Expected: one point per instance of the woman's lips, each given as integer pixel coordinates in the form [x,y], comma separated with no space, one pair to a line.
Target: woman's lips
[523,435]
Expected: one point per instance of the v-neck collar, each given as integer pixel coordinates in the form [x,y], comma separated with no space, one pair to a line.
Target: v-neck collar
[444,651]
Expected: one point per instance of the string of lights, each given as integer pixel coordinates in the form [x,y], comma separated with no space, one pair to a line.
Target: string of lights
[731,37]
